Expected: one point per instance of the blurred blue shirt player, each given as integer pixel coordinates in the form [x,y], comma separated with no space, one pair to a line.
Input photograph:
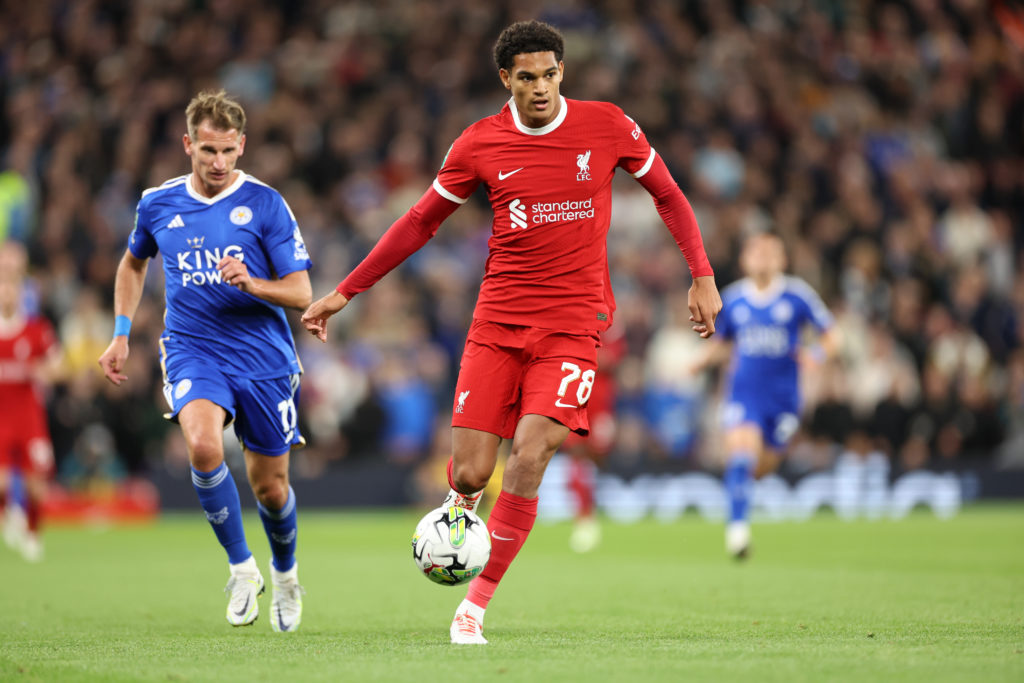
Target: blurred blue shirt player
[233,258]
[763,319]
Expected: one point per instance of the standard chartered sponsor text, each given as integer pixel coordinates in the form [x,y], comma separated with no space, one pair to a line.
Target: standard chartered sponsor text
[553,212]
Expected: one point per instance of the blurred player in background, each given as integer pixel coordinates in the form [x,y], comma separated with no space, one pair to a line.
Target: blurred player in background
[760,332]
[233,256]
[588,453]
[29,359]
[530,358]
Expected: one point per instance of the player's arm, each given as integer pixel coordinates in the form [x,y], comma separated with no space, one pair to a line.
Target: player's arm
[703,298]
[291,291]
[131,276]
[402,239]
[50,368]
[717,353]
[825,348]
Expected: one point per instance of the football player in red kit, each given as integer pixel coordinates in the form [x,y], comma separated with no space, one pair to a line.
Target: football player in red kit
[530,359]
[28,354]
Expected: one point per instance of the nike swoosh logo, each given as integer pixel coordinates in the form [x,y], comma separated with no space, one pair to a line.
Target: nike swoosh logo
[280,621]
[494,534]
[559,404]
[245,609]
[502,176]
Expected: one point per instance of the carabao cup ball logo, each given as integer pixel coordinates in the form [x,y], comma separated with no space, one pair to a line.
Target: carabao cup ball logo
[240,215]
[451,546]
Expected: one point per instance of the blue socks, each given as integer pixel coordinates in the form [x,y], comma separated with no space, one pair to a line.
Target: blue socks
[219,497]
[739,486]
[282,528]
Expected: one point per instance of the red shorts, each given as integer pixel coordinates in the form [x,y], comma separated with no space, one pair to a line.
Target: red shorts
[509,371]
[26,448]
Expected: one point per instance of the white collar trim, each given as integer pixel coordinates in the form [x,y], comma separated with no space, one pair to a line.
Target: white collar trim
[230,189]
[563,110]
[762,297]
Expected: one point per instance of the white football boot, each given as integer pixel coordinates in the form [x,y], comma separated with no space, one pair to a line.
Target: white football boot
[465,502]
[244,586]
[286,605]
[586,535]
[737,539]
[31,547]
[467,626]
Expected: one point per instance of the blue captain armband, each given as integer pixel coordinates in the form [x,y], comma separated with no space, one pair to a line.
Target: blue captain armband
[122,326]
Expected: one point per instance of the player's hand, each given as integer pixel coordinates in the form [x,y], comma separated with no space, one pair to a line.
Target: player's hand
[705,305]
[235,273]
[315,317]
[113,359]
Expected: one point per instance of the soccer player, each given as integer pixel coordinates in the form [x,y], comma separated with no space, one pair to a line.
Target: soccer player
[529,362]
[233,257]
[29,358]
[760,329]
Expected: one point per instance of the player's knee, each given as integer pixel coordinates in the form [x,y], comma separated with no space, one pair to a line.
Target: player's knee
[470,477]
[206,454]
[271,493]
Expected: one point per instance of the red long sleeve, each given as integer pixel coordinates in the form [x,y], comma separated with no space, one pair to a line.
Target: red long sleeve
[402,239]
[677,213]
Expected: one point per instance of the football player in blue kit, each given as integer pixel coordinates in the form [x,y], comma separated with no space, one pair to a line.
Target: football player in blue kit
[760,333]
[233,259]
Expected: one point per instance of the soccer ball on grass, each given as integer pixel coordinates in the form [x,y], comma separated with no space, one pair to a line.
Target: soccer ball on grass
[451,545]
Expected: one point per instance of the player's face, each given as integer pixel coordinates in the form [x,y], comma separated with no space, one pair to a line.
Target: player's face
[214,154]
[10,296]
[763,257]
[533,82]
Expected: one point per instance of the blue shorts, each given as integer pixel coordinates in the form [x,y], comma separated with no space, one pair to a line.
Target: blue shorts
[778,424]
[263,411]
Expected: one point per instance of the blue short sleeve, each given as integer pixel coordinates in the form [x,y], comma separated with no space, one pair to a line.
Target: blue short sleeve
[282,239]
[140,242]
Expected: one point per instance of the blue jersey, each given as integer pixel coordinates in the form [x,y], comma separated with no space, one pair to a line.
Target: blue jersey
[205,317]
[765,329]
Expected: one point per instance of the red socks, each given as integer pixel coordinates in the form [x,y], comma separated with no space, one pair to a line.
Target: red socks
[509,524]
[581,483]
[451,479]
[33,514]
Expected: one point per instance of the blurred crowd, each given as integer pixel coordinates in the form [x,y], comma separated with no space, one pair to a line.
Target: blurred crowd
[883,140]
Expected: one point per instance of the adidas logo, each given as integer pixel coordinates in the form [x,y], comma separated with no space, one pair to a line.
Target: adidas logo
[177,222]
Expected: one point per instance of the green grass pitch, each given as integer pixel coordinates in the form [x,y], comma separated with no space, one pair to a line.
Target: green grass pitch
[824,600]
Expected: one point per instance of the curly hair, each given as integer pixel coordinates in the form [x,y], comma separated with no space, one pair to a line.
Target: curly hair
[214,106]
[524,37]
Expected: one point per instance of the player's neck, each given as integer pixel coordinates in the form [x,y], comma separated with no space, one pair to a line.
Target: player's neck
[203,190]
[536,124]
[11,322]
[540,123]
[765,283]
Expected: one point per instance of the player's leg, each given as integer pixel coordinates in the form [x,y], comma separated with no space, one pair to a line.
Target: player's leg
[202,423]
[555,387]
[14,516]
[743,443]
[536,440]
[36,468]
[474,455]
[275,499]
[267,425]
[485,407]
[582,482]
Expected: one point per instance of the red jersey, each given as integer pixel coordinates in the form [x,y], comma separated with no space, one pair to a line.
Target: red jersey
[551,190]
[23,343]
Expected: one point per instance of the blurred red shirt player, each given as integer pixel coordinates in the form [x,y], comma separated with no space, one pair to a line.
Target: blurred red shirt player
[530,361]
[28,350]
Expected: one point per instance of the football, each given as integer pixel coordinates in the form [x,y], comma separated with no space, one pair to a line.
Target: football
[451,545]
